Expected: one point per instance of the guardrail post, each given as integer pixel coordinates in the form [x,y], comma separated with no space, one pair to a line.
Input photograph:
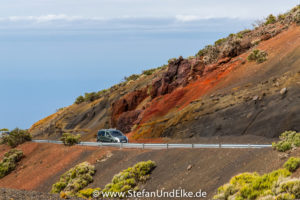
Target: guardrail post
[192,146]
[219,145]
[121,145]
[143,146]
[167,145]
[248,145]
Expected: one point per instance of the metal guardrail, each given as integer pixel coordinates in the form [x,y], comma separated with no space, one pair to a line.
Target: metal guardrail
[161,146]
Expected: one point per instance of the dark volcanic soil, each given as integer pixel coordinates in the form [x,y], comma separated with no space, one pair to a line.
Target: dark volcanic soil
[210,167]
[12,194]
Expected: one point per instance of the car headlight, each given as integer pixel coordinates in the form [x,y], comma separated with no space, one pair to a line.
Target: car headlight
[117,139]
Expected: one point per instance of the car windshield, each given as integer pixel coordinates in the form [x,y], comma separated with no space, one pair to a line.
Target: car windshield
[116,134]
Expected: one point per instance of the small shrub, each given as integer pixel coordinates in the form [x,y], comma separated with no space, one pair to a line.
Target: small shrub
[9,162]
[129,178]
[201,52]
[292,164]
[288,140]
[16,137]
[69,139]
[271,19]
[241,34]
[75,179]
[251,185]
[282,146]
[285,196]
[102,92]
[79,99]
[258,56]
[220,41]
[289,186]
[149,72]
[171,60]
[132,77]
[281,17]
[60,109]
[209,54]
[295,8]
[296,16]
[163,67]
[90,96]
[205,50]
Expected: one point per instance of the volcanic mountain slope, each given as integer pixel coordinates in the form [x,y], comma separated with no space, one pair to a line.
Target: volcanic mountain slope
[218,92]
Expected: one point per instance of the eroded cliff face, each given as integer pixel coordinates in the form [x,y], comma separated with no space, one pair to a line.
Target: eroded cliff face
[208,94]
[124,110]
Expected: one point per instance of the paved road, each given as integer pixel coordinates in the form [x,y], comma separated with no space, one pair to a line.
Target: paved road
[162,146]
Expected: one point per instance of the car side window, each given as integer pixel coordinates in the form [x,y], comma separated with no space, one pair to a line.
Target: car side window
[101,133]
[106,134]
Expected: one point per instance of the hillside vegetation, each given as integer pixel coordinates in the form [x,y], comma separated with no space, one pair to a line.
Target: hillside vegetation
[74,180]
[16,137]
[69,139]
[288,140]
[9,162]
[123,182]
[277,184]
[130,178]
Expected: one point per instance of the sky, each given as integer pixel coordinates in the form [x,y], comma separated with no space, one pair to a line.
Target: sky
[52,51]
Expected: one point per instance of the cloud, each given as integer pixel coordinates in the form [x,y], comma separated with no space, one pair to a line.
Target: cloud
[188,10]
[47,18]
[190,18]
[67,18]
[121,23]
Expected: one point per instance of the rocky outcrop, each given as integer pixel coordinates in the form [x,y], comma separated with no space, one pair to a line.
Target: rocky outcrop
[122,107]
[127,119]
[177,75]
[234,47]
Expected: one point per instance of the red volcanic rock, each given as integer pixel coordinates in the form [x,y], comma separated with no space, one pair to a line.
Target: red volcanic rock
[155,87]
[210,68]
[183,71]
[127,119]
[127,103]
[224,60]
[198,68]
[265,37]
[178,73]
